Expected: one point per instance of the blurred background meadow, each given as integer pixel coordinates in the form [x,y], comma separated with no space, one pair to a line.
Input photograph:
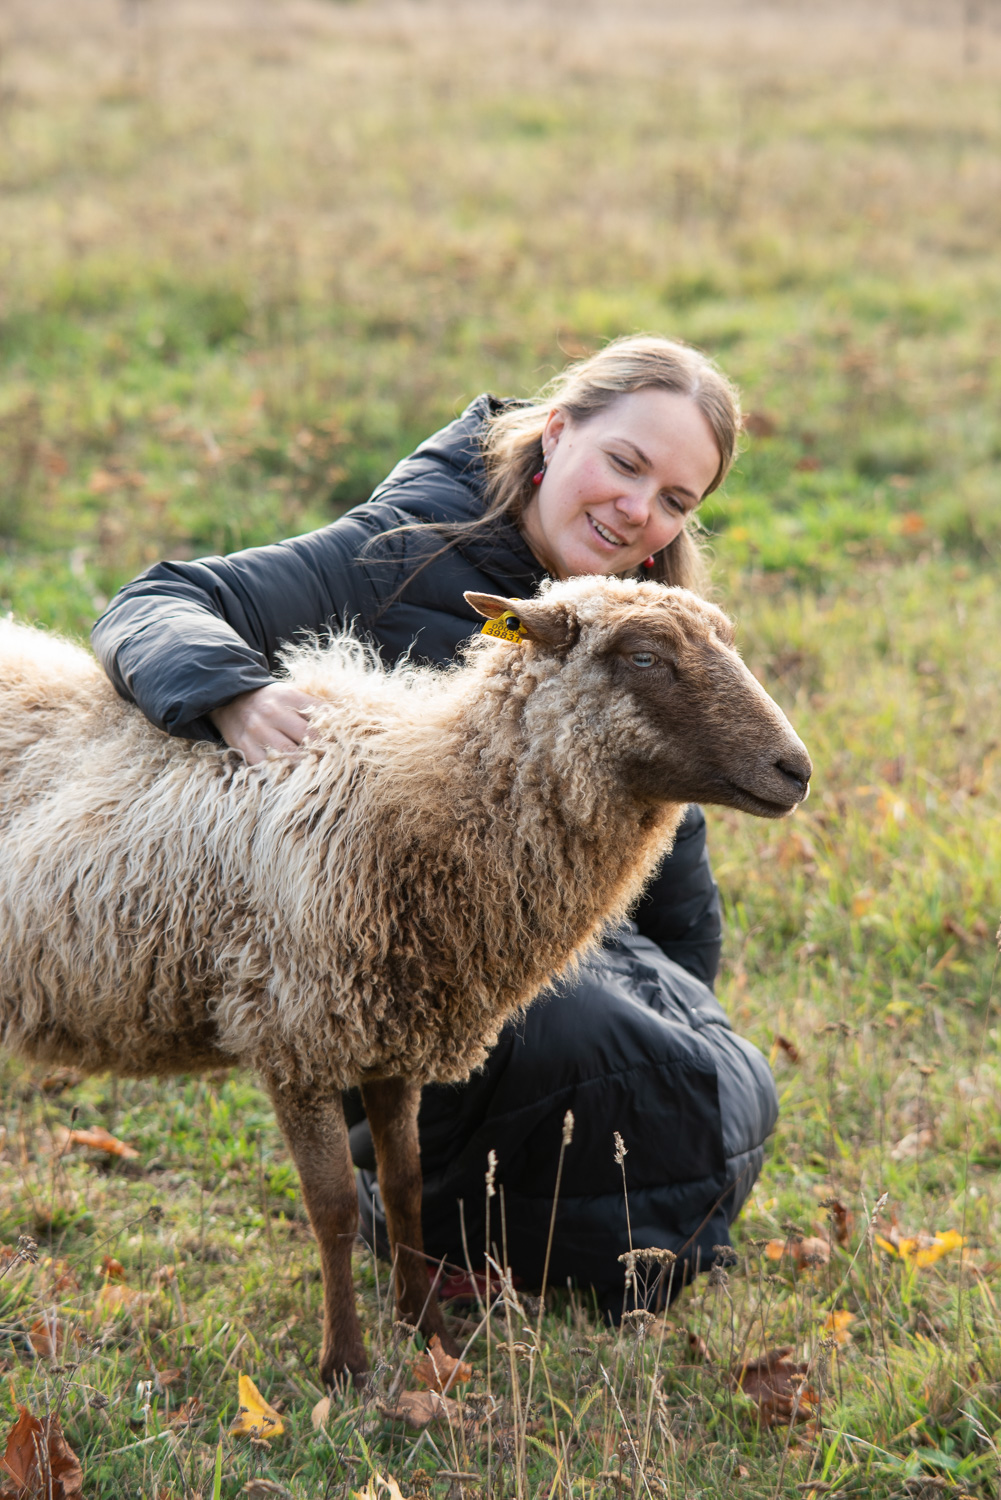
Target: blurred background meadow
[251,252]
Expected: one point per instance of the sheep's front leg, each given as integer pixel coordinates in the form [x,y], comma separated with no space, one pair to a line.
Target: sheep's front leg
[391,1105]
[313,1125]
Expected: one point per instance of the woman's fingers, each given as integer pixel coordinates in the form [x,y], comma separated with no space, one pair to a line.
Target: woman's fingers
[268,718]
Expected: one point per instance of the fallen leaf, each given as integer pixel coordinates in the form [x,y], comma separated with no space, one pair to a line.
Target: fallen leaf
[789,1048]
[419,1408]
[64,1466]
[62,1078]
[255,1417]
[922,1249]
[260,1489]
[115,1297]
[187,1413]
[163,1378]
[438,1370]
[321,1411]
[62,1276]
[807,1252]
[21,1454]
[112,1269]
[98,1139]
[47,1337]
[838,1325]
[778,1388]
[810,1252]
[378,1488]
[842,1222]
[38,1457]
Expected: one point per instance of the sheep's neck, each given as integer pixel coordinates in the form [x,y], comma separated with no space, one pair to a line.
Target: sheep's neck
[559,851]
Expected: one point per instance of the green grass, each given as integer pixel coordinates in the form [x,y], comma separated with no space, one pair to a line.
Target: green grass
[250,262]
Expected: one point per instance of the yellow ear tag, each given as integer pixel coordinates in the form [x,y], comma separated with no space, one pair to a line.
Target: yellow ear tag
[507,628]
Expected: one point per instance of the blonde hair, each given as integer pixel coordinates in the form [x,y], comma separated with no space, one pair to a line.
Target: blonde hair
[513,442]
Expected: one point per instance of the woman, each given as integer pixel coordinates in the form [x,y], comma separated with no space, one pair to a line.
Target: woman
[600,475]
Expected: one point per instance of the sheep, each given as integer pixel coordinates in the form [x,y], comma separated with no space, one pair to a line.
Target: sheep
[371,910]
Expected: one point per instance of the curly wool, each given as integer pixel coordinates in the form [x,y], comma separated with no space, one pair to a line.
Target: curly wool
[377,906]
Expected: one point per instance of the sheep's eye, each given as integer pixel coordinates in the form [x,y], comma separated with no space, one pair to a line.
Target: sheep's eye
[643,659]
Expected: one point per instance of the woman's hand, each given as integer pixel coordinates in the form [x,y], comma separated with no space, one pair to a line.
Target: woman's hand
[268,718]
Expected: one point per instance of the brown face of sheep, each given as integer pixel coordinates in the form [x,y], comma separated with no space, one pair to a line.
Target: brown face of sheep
[706,730]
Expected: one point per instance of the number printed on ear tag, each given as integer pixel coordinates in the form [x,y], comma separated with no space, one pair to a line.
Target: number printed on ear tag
[507,628]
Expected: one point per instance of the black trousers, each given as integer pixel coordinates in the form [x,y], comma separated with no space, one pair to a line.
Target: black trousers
[635,1045]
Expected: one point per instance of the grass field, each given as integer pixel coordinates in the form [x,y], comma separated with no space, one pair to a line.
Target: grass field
[251,252]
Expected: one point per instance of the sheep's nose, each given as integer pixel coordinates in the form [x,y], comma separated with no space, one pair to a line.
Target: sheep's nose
[798,771]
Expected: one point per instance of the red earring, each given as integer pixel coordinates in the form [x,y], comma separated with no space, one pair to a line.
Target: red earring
[648,563]
[538,478]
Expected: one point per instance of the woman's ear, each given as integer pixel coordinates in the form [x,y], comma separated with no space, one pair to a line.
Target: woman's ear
[553,430]
[532,619]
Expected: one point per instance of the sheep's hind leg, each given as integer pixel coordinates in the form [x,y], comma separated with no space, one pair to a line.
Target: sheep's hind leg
[391,1105]
[317,1136]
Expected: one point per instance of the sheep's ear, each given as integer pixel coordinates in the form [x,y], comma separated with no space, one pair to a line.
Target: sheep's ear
[528,619]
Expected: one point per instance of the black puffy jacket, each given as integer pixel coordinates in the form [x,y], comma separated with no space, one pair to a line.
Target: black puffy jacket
[638,1044]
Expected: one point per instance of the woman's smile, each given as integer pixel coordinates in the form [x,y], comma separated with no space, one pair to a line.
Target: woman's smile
[619,486]
[606,533]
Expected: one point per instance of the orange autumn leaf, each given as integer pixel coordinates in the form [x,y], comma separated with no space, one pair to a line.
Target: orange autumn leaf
[837,1325]
[806,1252]
[99,1139]
[47,1337]
[114,1297]
[255,1417]
[38,1458]
[438,1370]
[778,1388]
[21,1456]
[112,1269]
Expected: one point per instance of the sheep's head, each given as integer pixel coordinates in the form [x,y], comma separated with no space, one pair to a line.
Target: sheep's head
[654,674]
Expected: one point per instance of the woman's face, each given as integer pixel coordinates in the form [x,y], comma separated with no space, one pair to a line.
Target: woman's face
[620,485]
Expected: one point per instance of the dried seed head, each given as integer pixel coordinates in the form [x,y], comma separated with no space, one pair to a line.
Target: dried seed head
[628,1259]
[620,1149]
[568,1127]
[639,1320]
[491,1173]
[655,1257]
[27,1249]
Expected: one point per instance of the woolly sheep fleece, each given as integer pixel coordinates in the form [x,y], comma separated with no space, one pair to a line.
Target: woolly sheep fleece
[377,906]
